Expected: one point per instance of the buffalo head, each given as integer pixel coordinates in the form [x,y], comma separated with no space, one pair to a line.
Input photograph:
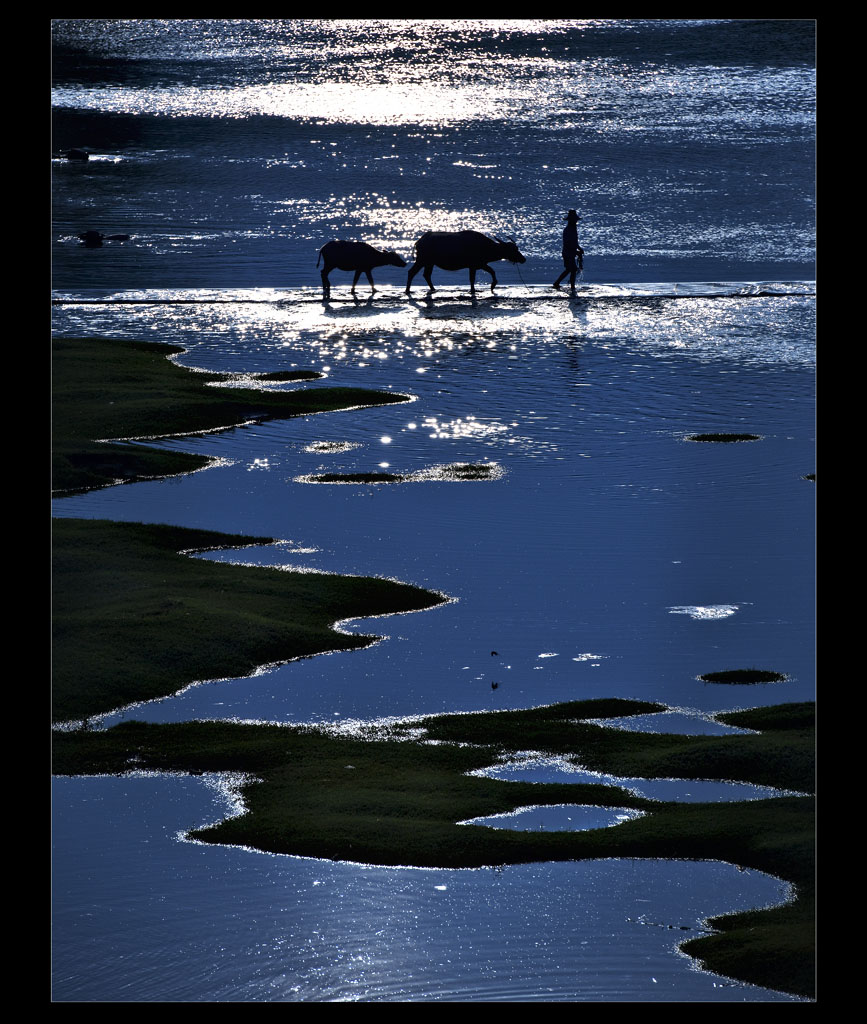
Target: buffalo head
[510,251]
[393,260]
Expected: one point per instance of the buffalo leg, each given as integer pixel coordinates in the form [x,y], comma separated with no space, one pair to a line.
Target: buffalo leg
[326,284]
[370,279]
[428,270]
[355,281]
[493,275]
[413,270]
[473,280]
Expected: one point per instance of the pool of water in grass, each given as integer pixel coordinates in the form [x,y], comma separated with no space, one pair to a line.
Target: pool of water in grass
[589,564]
[608,557]
[557,818]
[542,768]
[287,929]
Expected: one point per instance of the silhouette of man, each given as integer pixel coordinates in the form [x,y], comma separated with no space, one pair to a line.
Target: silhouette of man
[573,254]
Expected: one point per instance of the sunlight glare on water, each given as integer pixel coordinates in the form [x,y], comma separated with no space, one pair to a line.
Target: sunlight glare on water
[228,152]
[288,929]
[541,768]
[557,818]
[581,409]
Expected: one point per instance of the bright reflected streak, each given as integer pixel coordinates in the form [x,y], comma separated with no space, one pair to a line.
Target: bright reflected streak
[468,90]
[422,103]
[710,611]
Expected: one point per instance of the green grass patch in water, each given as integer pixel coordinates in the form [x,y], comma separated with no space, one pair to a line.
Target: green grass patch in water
[743,675]
[455,472]
[724,438]
[389,797]
[136,619]
[287,375]
[458,471]
[109,389]
[354,478]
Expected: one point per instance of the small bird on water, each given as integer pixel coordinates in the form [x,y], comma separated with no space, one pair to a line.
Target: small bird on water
[494,686]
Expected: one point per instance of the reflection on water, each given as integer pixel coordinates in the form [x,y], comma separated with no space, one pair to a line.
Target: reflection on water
[703,321]
[677,720]
[557,818]
[286,929]
[231,150]
[543,768]
[604,532]
[609,559]
[716,611]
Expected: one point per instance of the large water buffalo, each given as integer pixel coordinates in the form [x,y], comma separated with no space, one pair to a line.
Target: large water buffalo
[461,250]
[357,256]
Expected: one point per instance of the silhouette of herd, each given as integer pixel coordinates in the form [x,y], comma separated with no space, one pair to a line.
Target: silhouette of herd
[448,250]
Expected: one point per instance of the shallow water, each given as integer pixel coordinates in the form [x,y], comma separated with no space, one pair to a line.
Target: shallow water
[604,528]
[233,151]
[557,818]
[610,556]
[287,929]
[542,768]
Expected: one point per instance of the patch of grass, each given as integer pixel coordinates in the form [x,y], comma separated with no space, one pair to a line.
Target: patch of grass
[113,389]
[331,447]
[134,619]
[772,759]
[743,675]
[724,438]
[354,478]
[776,718]
[457,471]
[283,375]
[393,799]
[451,473]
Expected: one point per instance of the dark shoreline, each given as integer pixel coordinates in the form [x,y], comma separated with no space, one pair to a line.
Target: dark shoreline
[401,801]
[151,398]
[135,619]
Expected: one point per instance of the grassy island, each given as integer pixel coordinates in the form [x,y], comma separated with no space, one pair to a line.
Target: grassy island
[137,618]
[393,798]
[107,389]
[743,675]
[457,472]
[724,438]
[134,617]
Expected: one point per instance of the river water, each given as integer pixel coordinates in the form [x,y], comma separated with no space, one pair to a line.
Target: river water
[608,555]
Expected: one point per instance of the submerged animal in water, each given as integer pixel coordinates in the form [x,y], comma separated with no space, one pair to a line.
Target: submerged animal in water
[461,250]
[357,256]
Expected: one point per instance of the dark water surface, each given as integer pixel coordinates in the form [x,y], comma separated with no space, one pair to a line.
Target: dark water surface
[607,534]
[148,917]
[608,556]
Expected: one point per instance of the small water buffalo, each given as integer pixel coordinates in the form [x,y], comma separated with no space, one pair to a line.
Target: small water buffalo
[357,256]
[461,250]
